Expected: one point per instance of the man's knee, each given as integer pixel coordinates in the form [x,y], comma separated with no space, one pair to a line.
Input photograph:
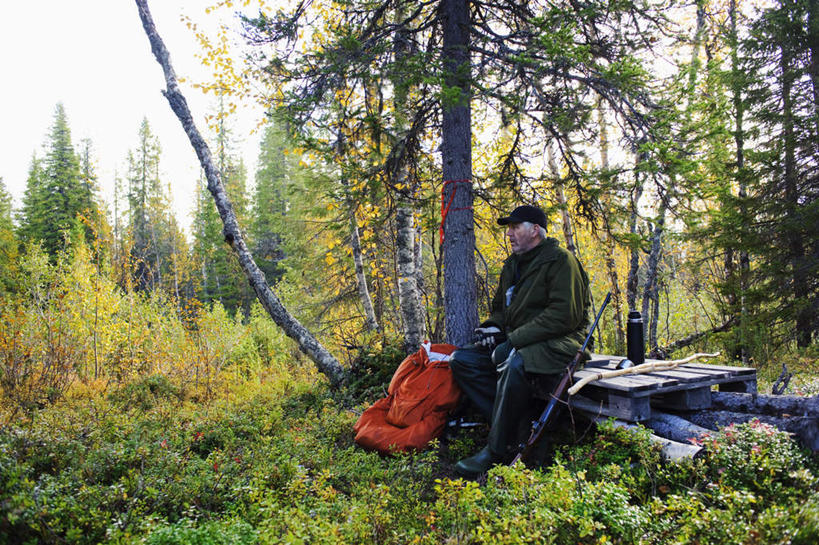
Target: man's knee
[513,363]
[455,363]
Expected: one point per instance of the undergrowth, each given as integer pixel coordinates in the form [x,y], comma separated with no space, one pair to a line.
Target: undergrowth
[275,462]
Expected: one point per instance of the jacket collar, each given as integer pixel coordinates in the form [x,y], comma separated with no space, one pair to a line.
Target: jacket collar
[544,251]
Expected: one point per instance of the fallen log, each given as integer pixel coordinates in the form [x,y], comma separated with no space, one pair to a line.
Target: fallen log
[670,450]
[804,428]
[774,405]
[674,427]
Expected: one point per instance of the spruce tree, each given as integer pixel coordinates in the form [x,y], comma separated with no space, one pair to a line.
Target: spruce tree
[269,202]
[56,193]
[782,208]
[220,276]
[8,242]
[153,233]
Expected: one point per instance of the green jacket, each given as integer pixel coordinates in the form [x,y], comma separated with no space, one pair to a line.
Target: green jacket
[548,316]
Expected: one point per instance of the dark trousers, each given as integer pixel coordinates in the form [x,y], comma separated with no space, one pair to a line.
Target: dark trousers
[497,384]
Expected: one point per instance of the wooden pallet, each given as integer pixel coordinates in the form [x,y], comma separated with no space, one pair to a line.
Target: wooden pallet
[630,397]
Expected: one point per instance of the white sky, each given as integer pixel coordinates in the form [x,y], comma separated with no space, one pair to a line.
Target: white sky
[93,56]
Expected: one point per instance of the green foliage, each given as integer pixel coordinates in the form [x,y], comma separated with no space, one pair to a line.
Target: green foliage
[145,393]
[188,532]
[371,371]
[759,458]
[275,463]
[57,193]
[617,455]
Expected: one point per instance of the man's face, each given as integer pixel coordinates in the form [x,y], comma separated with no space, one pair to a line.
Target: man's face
[523,237]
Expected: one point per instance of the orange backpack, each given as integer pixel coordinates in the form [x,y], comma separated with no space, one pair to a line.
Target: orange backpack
[421,394]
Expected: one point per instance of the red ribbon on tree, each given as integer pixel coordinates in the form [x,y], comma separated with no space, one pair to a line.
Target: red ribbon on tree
[445,207]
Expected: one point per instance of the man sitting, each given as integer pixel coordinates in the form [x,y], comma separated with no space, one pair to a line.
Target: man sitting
[539,319]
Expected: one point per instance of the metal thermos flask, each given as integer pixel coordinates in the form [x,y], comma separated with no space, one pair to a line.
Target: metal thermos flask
[635,345]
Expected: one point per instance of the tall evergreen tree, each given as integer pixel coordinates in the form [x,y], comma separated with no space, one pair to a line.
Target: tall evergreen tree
[782,103]
[8,242]
[56,192]
[153,233]
[269,203]
[221,278]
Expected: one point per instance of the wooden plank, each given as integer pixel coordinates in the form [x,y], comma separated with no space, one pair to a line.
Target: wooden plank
[683,376]
[707,372]
[730,369]
[627,383]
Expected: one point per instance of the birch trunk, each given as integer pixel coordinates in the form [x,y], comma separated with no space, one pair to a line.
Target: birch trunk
[633,280]
[652,285]
[560,196]
[325,362]
[419,274]
[412,319]
[408,299]
[370,321]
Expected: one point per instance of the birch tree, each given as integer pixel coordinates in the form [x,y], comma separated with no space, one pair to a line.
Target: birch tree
[325,362]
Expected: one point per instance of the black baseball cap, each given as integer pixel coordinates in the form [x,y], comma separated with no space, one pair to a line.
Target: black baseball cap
[532,214]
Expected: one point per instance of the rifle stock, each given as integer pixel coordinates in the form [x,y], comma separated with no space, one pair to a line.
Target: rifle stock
[559,392]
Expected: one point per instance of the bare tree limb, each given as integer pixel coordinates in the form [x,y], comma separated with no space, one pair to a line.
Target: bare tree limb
[325,362]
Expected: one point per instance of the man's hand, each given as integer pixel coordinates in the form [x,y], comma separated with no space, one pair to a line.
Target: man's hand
[488,337]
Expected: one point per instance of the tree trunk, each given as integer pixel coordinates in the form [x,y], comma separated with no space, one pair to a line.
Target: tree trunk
[772,405]
[409,298]
[460,297]
[325,362]
[608,240]
[739,140]
[675,427]
[419,273]
[633,280]
[568,229]
[651,289]
[361,278]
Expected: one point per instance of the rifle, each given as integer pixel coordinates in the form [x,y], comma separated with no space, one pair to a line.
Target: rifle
[559,392]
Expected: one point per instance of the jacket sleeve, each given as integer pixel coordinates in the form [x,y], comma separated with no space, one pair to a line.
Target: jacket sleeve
[563,313]
[496,316]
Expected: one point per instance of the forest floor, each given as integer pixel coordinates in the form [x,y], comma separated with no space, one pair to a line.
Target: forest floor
[272,460]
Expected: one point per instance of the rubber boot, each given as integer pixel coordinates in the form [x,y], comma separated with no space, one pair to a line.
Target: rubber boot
[513,401]
[478,464]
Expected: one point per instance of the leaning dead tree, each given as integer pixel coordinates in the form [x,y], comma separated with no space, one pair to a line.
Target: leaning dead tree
[325,362]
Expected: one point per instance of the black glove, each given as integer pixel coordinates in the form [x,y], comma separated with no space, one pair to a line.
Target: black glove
[489,337]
